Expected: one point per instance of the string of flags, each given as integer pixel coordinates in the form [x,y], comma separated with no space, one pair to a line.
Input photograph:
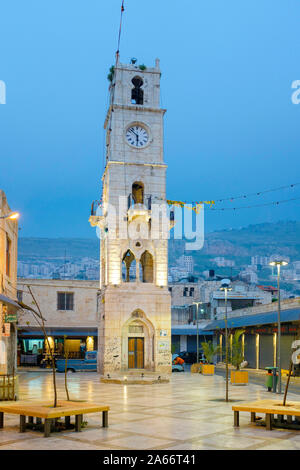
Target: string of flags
[194,206]
[197,206]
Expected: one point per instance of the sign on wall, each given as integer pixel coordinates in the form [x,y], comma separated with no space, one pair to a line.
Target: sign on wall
[163,345]
[6,330]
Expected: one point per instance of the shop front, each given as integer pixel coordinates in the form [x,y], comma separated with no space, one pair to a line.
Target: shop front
[33,349]
[260,342]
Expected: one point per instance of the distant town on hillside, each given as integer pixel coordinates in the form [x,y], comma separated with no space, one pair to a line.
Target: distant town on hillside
[242,253]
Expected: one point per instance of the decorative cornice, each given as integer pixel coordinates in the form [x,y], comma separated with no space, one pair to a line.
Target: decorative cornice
[131,107]
[115,162]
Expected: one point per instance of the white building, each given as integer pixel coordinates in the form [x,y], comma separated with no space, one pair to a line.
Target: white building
[220,261]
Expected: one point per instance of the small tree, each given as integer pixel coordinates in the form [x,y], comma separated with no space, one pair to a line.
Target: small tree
[66,355]
[237,349]
[209,350]
[41,322]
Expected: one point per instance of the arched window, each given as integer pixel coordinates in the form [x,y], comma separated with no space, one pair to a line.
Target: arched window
[137,94]
[138,192]
[128,267]
[146,267]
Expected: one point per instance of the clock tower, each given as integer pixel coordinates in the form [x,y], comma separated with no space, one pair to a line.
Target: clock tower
[135,304]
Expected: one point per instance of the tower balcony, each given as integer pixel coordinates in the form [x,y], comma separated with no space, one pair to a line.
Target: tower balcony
[96,218]
[139,210]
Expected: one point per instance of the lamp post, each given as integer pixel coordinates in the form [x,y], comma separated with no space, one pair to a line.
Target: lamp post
[225,286]
[11,216]
[278,263]
[197,305]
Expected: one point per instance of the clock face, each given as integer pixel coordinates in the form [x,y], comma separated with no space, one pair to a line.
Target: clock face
[137,136]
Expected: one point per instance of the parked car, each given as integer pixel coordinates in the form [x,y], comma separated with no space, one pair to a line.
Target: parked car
[89,363]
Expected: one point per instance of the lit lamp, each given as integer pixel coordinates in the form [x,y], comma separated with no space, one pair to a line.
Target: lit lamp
[278,263]
[225,286]
[11,216]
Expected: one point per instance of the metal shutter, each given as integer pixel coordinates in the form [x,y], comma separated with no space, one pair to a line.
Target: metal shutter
[286,350]
[250,350]
[266,351]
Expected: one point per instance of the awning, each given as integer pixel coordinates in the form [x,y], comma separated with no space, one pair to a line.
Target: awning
[257,319]
[8,301]
[190,331]
[70,332]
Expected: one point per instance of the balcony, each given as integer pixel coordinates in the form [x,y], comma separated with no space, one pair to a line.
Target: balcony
[139,210]
[96,218]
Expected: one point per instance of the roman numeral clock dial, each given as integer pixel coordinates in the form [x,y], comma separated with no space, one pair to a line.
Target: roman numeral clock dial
[137,136]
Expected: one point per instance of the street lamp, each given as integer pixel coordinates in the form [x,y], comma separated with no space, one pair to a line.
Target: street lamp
[225,286]
[278,263]
[197,304]
[11,216]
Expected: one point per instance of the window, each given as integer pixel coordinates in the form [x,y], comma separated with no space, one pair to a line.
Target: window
[8,255]
[65,301]
[185,291]
[20,295]
[192,292]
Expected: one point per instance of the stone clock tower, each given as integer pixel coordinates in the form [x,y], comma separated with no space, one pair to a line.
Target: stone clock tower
[135,304]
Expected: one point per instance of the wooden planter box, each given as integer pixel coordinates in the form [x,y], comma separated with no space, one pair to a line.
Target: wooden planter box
[239,377]
[207,369]
[9,387]
[196,368]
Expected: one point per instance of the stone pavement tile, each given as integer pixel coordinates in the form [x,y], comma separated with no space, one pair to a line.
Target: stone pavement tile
[139,442]
[280,445]
[52,443]
[92,435]
[190,446]
[186,406]
[11,435]
[171,428]
[127,416]
[225,441]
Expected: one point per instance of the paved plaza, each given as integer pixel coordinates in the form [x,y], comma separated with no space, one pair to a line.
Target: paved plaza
[185,414]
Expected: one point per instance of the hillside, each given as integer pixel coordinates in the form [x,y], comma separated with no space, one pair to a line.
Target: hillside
[262,239]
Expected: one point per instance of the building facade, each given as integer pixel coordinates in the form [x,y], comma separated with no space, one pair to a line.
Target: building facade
[8,288]
[70,310]
[135,306]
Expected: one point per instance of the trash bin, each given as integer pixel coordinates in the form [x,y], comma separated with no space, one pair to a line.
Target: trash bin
[272,378]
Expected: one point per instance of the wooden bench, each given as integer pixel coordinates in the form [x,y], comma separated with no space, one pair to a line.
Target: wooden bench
[269,408]
[45,410]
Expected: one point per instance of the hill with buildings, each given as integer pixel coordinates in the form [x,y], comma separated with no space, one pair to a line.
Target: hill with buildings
[244,251]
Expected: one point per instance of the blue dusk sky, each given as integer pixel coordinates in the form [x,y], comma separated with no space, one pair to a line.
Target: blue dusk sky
[227,71]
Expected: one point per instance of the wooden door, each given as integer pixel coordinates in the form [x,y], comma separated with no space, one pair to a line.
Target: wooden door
[131,353]
[139,353]
[135,353]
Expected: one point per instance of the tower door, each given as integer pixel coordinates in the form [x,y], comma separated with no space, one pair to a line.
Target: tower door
[135,353]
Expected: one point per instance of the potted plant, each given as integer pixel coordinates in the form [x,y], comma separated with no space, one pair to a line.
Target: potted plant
[238,377]
[209,351]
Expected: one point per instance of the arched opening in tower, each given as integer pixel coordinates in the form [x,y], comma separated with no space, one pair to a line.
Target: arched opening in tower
[138,192]
[146,263]
[128,267]
[137,93]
